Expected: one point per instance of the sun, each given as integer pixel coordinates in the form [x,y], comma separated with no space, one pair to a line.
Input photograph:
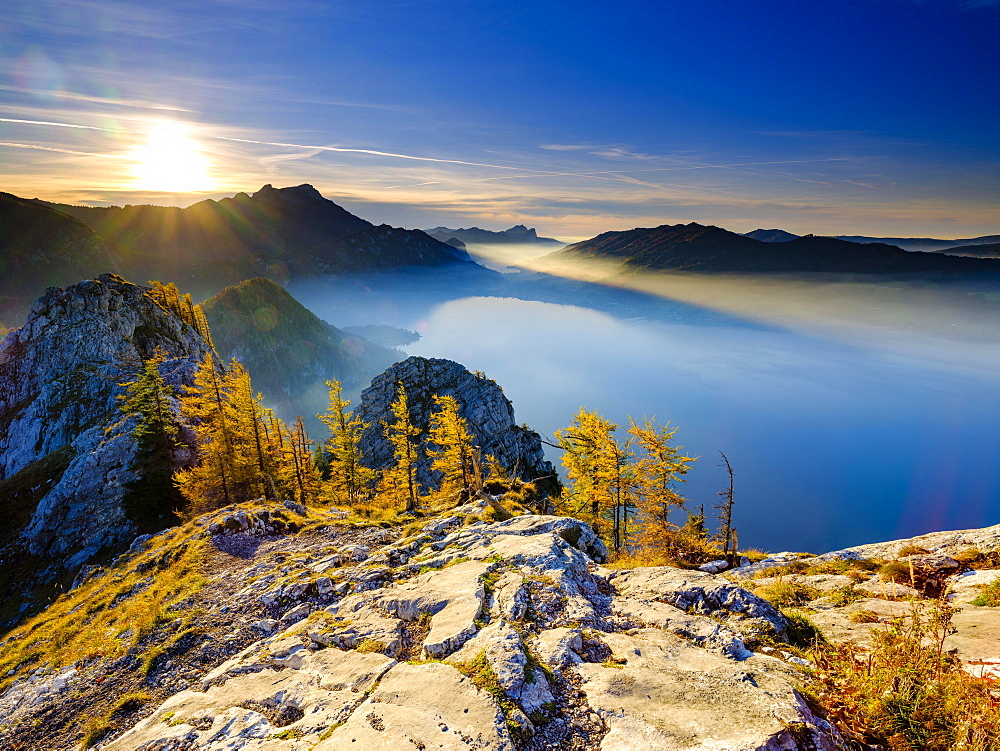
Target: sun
[170,161]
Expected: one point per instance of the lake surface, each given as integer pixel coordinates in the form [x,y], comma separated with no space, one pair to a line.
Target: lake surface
[851,413]
[833,442]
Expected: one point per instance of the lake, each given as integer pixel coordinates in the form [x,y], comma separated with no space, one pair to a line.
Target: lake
[838,433]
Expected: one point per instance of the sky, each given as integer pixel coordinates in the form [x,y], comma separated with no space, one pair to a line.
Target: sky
[874,117]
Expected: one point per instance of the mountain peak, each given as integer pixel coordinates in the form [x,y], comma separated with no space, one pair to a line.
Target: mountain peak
[771,235]
[303,192]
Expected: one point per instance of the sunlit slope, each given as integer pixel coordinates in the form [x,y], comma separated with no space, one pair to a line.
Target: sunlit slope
[281,233]
[286,347]
[40,248]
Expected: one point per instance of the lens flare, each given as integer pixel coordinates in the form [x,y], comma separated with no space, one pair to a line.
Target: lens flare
[170,161]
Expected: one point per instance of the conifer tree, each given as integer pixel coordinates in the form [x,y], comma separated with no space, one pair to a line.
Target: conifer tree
[399,482]
[454,456]
[349,481]
[307,478]
[727,532]
[250,440]
[599,469]
[658,469]
[205,406]
[152,499]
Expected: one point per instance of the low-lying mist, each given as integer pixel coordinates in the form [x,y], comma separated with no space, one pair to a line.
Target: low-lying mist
[851,412]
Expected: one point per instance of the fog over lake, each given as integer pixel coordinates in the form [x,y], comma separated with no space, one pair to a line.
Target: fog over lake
[838,435]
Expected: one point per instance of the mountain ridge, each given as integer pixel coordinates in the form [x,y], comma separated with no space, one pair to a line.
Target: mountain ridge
[927,244]
[516,234]
[709,249]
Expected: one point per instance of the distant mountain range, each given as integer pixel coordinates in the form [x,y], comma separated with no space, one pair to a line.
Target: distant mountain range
[518,234]
[928,244]
[771,235]
[986,250]
[280,233]
[694,247]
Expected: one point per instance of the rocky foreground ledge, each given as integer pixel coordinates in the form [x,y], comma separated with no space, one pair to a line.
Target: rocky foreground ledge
[506,635]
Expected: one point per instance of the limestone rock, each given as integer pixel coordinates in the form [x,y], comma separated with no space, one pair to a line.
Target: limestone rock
[946,543]
[65,451]
[703,594]
[423,706]
[541,648]
[660,692]
[489,414]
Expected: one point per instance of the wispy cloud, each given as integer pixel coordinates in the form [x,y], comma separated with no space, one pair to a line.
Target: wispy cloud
[620,153]
[568,146]
[374,152]
[111,101]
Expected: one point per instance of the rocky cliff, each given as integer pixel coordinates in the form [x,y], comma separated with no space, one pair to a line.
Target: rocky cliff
[66,454]
[488,413]
[518,234]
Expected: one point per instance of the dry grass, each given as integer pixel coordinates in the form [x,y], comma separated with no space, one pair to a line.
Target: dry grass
[110,613]
[643,558]
[900,572]
[785,593]
[907,693]
[864,616]
[99,727]
[911,550]
[118,609]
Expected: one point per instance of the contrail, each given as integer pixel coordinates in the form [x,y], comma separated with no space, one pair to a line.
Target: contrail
[525,172]
[60,151]
[385,153]
[61,125]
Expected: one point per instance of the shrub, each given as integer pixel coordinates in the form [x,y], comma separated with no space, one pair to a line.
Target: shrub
[845,595]
[900,572]
[911,550]
[858,575]
[907,692]
[802,632]
[371,645]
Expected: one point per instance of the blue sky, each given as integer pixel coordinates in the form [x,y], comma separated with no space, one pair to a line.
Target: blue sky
[875,117]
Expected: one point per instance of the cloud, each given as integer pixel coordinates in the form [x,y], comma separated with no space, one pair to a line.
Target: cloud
[113,101]
[567,146]
[58,125]
[619,153]
[374,152]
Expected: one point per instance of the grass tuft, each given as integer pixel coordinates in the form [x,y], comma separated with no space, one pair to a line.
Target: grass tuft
[989,595]
[784,593]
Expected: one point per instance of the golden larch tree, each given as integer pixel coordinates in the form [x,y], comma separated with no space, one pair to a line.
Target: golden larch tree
[399,481]
[661,465]
[451,450]
[349,480]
